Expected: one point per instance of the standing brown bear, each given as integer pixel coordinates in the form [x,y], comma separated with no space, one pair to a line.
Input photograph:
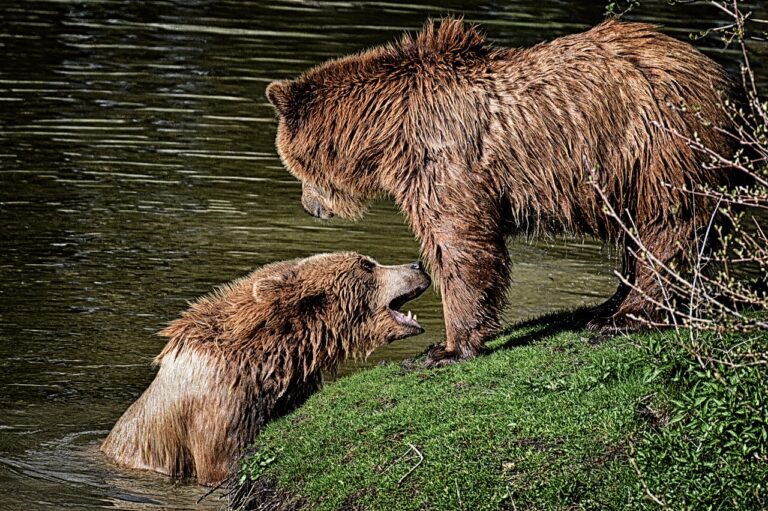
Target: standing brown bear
[253,350]
[476,143]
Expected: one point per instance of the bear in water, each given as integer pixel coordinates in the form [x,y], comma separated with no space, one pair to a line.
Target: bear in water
[255,349]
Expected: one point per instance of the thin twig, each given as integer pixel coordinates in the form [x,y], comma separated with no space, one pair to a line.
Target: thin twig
[647,490]
[209,492]
[398,460]
[421,460]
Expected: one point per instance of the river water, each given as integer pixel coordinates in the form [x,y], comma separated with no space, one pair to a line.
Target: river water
[138,170]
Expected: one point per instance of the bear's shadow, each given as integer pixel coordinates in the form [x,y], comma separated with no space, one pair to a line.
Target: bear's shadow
[533,330]
[529,332]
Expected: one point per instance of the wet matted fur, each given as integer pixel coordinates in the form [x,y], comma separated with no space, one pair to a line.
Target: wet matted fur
[476,143]
[252,351]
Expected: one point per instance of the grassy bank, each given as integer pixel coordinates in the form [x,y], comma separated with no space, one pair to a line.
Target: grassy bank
[550,418]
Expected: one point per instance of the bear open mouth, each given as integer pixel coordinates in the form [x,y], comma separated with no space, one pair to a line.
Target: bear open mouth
[408,318]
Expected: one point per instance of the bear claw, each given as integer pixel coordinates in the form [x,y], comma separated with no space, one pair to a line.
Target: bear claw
[439,356]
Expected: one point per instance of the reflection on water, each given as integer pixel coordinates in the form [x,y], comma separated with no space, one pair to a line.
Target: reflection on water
[137,170]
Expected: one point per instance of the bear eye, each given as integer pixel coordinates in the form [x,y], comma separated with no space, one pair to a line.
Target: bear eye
[367,265]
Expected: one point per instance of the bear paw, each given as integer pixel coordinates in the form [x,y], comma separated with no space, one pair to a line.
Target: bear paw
[439,356]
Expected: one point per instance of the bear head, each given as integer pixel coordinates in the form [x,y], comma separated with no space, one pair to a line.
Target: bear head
[359,127]
[344,299]
[322,309]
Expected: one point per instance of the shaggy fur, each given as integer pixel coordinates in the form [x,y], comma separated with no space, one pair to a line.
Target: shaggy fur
[476,143]
[252,351]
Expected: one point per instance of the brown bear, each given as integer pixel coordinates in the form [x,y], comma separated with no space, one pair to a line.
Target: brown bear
[476,143]
[255,349]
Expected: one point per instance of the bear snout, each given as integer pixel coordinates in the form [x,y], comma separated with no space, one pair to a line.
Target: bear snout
[415,280]
[313,208]
[422,275]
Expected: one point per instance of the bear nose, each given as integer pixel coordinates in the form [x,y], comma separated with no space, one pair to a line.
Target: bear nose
[317,211]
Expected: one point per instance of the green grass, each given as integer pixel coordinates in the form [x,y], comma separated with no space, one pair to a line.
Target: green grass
[548,419]
[713,454]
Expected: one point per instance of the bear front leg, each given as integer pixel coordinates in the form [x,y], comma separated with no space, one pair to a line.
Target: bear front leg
[471,268]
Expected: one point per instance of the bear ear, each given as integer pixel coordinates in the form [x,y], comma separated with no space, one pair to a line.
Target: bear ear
[280,93]
[273,284]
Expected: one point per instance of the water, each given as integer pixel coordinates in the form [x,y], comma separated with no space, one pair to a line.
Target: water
[138,170]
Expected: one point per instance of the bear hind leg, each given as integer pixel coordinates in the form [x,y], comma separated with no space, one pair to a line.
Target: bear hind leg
[674,247]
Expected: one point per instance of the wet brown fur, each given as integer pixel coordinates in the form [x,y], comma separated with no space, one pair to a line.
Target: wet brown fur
[252,351]
[476,143]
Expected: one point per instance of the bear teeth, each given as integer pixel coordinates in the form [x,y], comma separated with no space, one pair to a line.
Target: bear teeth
[405,318]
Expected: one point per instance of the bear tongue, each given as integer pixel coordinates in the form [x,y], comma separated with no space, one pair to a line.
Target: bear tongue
[405,319]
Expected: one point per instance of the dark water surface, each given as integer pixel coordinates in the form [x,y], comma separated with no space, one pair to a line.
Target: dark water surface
[137,170]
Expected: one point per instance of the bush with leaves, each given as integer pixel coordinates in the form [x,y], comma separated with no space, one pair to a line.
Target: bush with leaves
[710,449]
